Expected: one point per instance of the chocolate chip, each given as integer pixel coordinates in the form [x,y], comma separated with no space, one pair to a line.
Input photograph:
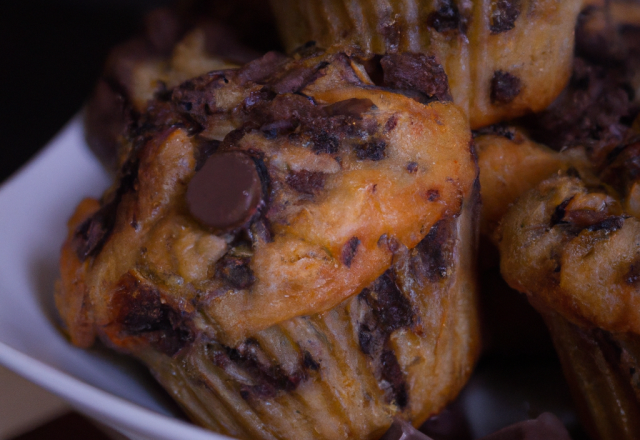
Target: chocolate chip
[433,195]
[226,192]
[433,256]
[391,309]
[445,18]
[374,150]
[93,233]
[197,97]
[349,251]
[309,363]
[412,167]
[504,14]
[266,378]
[416,72]
[392,374]
[306,182]
[142,312]
[324,142]
[297,78]
[391,123]
[504,87]
[205,149]
[235,271]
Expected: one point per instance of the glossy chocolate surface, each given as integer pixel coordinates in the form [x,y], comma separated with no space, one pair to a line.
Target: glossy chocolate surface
[226,191]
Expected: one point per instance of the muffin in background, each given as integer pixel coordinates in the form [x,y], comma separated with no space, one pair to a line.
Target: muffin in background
[504,58]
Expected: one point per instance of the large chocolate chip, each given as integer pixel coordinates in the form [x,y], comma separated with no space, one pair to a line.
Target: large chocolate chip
[504,87]
[226,192]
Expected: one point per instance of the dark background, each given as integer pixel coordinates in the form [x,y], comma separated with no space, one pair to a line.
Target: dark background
[51,53]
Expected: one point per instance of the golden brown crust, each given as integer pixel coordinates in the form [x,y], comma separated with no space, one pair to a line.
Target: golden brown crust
[574,251]
[510,165]
[343,297]
[72,295]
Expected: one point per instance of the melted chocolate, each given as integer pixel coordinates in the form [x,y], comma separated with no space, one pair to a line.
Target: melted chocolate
[142,312]
[416,72]
[226,192]
[235,271]
[349,251]
[374,150]
[433,256]
[446,18]
[266,379]
[504,87]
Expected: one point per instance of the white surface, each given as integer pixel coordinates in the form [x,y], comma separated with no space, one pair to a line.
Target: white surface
[34,207]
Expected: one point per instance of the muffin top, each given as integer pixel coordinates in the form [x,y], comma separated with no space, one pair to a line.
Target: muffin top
[254,195]
[573,250]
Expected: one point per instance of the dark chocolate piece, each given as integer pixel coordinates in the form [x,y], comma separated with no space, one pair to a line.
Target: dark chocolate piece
[391,373]
[226,192]
[391,30]
[504,14]
[433,195]
[504,87]
[265,379]
[632,276]
[433,256]
[373,150]
[91,235]
[141,311]
[306,182]
[196,97]
[403,430]
[325,142]
[446,18]
[390,307]
[416,71]
[545,427]
[349,251]
[235,271]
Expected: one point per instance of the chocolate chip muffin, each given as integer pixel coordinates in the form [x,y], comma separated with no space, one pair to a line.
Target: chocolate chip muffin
[504,58]
[574,252]
[289,248]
